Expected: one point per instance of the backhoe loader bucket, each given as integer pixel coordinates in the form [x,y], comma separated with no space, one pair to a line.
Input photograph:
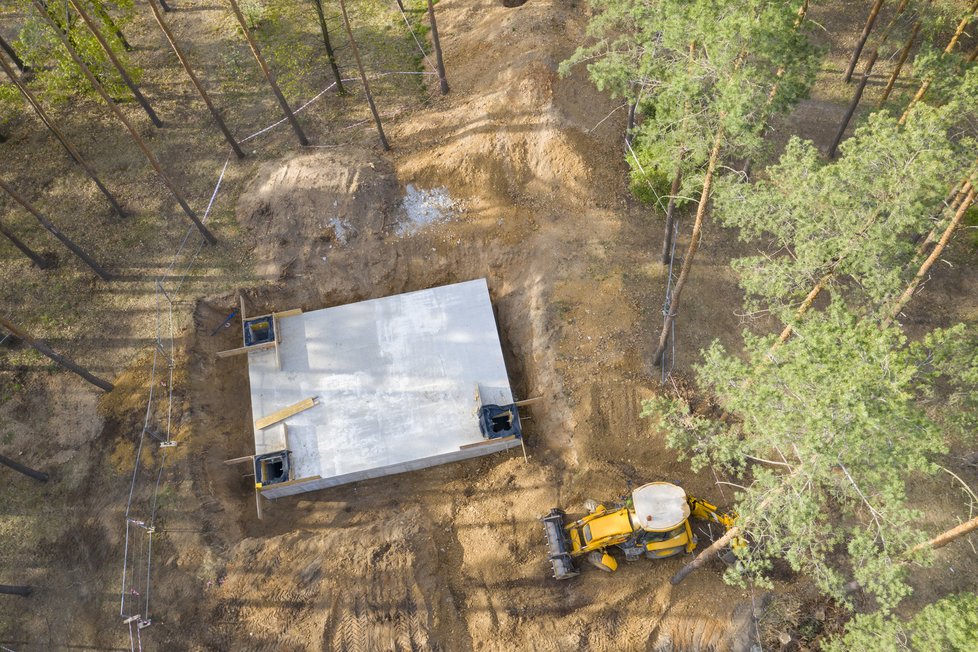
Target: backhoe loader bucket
[559,545]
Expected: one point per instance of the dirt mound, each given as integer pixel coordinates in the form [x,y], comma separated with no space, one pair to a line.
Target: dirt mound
[299,211]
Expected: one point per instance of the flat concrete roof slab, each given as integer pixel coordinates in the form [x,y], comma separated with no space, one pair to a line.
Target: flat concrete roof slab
[396,380]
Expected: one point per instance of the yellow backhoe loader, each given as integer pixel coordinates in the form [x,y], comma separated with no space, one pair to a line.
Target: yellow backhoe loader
[652,522]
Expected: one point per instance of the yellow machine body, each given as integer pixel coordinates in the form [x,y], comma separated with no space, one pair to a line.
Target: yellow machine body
[653,522]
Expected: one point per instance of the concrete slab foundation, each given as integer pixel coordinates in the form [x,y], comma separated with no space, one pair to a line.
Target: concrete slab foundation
[398,383]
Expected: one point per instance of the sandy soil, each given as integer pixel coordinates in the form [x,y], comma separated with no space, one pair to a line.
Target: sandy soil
[453,557]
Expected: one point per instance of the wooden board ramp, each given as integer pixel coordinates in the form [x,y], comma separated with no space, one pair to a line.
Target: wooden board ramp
[246,349]
[286,412]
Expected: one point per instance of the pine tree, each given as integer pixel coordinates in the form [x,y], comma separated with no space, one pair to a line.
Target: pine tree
[949,624]
[707,77]
[823,436]
[852,221]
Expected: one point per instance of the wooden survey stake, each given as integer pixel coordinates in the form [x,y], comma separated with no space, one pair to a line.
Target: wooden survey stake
[286,412]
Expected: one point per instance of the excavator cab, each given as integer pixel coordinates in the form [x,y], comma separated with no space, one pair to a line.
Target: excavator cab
[652,522]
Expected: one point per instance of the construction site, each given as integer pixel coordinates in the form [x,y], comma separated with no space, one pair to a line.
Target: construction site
[398,405]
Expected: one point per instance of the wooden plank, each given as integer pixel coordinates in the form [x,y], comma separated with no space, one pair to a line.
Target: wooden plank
[528,401]
[278,338]
[287,313]
[486,442]
[286,412]
[245,349]
[239,460]
[291,482]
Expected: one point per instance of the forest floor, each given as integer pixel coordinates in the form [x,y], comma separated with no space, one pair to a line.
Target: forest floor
[528,170]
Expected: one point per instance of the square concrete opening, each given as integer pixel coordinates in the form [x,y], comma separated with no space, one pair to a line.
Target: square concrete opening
[380,387]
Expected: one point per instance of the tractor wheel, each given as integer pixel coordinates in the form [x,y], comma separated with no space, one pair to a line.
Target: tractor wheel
[590,505]
[595,559]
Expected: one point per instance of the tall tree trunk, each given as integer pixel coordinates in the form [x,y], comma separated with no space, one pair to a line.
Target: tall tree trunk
[823,282]
[93,28]
[948,536]
[904,53]
[670,214]
[934,255]
[806,304]
[950,204]
[714,549]
[61,137]
[861,43]
[41,347]
[208,236]
[330,55]
[40,476]
[630,123]
[694,242]
[269,75]
[363,78]
[13,56]
[7,589]
[108,22]
[925,85]
[443,81]
[867,71]
[37,259]
[196,83]
[51,228]
[705,556]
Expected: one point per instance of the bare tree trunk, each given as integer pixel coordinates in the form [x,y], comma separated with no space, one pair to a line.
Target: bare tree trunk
[93,28]
[330,56]
[196,83]
[44,349]
[630,124]
[40,476]
[904,53]
[670,215]
[7,589]
[269,75]
[853,104]
[714,549]
[948,536]
[708,553]
[61,137]
[108,22]
[804,307]
[861,43]
[951,203]
[934,255]
[694,242]
[363,78]
[924,85]
[437,43]
[125,121]
[51,228]
[867,71]
[13,56]
[37,259]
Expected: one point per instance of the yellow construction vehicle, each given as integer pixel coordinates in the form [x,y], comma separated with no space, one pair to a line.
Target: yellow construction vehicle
[653,522]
